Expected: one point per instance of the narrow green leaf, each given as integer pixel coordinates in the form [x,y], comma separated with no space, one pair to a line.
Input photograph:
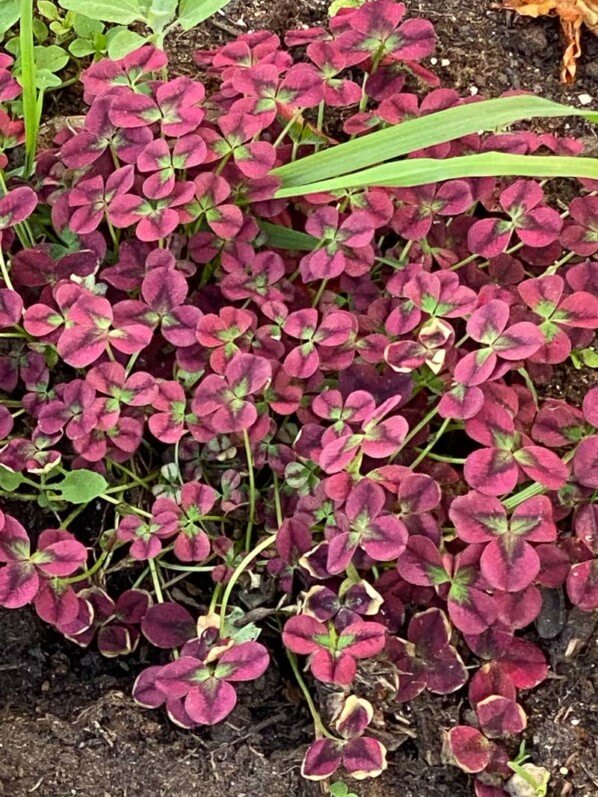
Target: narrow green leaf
[193,12]
[414,134]
[284,238]
[81,486]
[28,82]
[122,12]
[419,171]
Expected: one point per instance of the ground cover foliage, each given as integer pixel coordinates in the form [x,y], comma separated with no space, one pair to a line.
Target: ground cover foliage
[311,409]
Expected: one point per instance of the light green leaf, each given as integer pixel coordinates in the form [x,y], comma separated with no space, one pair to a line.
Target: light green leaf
[80,486]
[193,12]
[81,47]
[587,357]
[336,6]
[50,59]
[44,79]
[420,171]
[122,12]
[9,480]
[85,27]
[47,10]
[124,42]
[284,238]
[40,30]
[236,629]
[9,14]
[13,46]
[158,13]
[426,131]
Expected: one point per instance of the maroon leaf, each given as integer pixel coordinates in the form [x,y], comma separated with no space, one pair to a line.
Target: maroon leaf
[168,625]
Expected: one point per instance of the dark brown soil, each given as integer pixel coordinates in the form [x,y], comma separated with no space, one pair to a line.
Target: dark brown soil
[69,727]
[67,723]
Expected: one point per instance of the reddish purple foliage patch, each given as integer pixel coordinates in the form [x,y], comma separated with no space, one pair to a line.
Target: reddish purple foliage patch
[346,439]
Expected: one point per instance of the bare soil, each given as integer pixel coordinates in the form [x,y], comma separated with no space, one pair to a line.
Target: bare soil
[67,723]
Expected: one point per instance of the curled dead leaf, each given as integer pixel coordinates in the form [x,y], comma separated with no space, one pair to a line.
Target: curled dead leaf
[573,14]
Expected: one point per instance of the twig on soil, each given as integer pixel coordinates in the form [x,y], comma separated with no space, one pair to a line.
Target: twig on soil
[226,28]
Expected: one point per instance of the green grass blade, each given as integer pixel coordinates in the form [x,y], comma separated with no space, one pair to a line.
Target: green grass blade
[419,171]
[284,238]
[31,113]
[426,131]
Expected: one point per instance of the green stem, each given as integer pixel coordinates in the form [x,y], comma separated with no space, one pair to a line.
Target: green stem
[156,580]
[140,578]
[319,293]
[558,263]
[287,127]
[239,570]
[9,285]
[277,505]
[319,725]
[215,598]
[416,430]
[19,496]
[532,489]
[74,514]
[364,97]
[441,458]
[185,569]
[320,121]
[530,385]
[88,573]
[424,453]
[65,83]
[251,519]
[137,479]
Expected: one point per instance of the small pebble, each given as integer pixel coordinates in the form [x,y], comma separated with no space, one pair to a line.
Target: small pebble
[575,722]
[445,62]
[433,61]
[521,787]
[473,90]
[563,771]
[585,99]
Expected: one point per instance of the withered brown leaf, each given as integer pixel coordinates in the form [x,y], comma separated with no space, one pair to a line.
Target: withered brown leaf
[572,15]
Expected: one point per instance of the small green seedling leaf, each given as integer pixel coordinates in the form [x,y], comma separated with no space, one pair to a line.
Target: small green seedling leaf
[9,479]
[587,358]
[529,780]
[340,789]
[48,10]
[80,486]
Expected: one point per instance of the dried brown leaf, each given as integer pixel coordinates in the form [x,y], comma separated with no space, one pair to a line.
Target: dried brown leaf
[572,15]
